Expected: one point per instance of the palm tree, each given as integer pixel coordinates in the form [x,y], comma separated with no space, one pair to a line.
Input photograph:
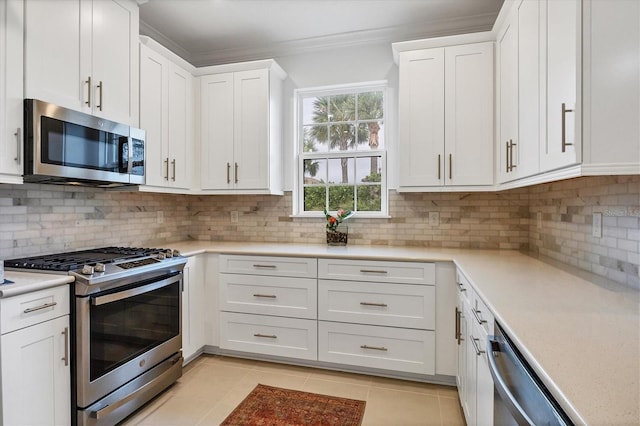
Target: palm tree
[370,106]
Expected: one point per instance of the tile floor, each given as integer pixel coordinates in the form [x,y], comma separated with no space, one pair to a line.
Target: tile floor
[212,386]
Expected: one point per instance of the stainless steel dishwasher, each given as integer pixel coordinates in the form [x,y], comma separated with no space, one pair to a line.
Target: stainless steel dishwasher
[520,398]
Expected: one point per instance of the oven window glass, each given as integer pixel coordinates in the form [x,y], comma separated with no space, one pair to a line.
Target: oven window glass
[72,145]
[123,329]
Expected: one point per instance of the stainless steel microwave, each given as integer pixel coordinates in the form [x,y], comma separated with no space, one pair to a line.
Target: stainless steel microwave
[70,147]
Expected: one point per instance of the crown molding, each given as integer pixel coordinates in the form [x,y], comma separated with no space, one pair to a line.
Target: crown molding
[440,28]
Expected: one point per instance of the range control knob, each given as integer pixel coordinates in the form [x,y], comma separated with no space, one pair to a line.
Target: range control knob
[87,270]
[169,253]
[99,267]
[176,253]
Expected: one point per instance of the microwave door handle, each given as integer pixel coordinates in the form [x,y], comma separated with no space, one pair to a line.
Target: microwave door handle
[114,297]
[516,410]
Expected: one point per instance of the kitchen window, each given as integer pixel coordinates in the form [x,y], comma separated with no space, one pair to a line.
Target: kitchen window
[341,150]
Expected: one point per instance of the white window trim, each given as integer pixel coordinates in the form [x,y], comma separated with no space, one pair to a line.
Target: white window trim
[380,85]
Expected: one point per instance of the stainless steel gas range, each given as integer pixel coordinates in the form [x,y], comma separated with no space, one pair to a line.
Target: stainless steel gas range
[126,326]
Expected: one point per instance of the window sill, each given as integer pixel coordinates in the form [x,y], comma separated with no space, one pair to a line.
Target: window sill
[358,215]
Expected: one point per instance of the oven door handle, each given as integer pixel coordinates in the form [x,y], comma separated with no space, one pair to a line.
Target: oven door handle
[516,410]
[114,297]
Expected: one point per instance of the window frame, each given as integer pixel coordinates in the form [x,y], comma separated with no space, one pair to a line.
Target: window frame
[300,156]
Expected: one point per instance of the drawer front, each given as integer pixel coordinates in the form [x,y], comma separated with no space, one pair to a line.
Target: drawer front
[32,308]
[288,337]
[371,346]
[269,265]
[465,291]
[393,305]
[379,271]
[281,296]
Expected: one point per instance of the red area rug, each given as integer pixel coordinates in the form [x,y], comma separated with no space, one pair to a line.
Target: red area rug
[267,405]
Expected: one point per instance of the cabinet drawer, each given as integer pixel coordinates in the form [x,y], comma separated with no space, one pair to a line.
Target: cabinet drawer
[281,296]
[371,346]
[481,315]
[379,271]
[32,308]
[393,305]
[465,290]
[289,337]
[268,265]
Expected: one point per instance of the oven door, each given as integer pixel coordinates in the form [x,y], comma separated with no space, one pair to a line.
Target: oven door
[125,332]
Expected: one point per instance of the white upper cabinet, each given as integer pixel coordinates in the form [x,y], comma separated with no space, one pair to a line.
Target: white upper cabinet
[559,147]
[518,92]
[166,114]
[11,91]
[83,55]
[421,118]
[241,128]
[446,116]
[611,87]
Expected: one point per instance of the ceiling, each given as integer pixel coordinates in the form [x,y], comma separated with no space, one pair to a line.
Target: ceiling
[210,32]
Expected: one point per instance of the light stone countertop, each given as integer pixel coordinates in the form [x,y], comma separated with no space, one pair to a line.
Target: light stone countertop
[580,333]
[26,282]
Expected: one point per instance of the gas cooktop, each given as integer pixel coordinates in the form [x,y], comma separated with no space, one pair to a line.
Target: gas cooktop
[65,262]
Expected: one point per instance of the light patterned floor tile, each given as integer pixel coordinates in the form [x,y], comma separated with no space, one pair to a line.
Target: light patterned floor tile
[391,407]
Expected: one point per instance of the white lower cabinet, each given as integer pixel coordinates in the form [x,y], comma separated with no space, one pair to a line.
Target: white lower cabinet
[193,308]
[269,335]
[475,384]
[36,380]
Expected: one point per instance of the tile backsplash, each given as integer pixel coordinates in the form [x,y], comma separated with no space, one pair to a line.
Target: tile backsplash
[37,219]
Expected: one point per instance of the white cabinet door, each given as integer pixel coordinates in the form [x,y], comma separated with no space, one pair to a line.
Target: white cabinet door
[179,119]
[217,131]
[11,91]
[54,69]
[421,117]
[527,152]
[154,70]
[471,370]
[507,96]
[251,129]
[36,381]
[484,392]
[469,117]
[462,376]
[193,303]
[561,23]
[114,65]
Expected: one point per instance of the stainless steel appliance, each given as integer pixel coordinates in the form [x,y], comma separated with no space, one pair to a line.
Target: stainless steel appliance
[127,326]
[66,146]
[520,398]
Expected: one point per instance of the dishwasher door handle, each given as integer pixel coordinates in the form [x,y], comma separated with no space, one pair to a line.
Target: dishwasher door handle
[516,410]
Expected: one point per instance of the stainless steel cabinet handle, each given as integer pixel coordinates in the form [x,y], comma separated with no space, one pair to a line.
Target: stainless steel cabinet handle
[474,342]
[476,313]
[450,166]
[565,144]
[38,308]
[373,271]
[511,145]
[65,358]
[173,164]
[506,150]
[99,106]
[268,296]
[235,174]
[382,305]
[228,173]
[166,165]
[88,101]
[439,167]
[458,325]
[375,348]
[264,266]
[461,287]
[18,135]
[268,336]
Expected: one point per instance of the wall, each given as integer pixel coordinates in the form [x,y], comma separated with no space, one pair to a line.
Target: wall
[565,235]
[38,219]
